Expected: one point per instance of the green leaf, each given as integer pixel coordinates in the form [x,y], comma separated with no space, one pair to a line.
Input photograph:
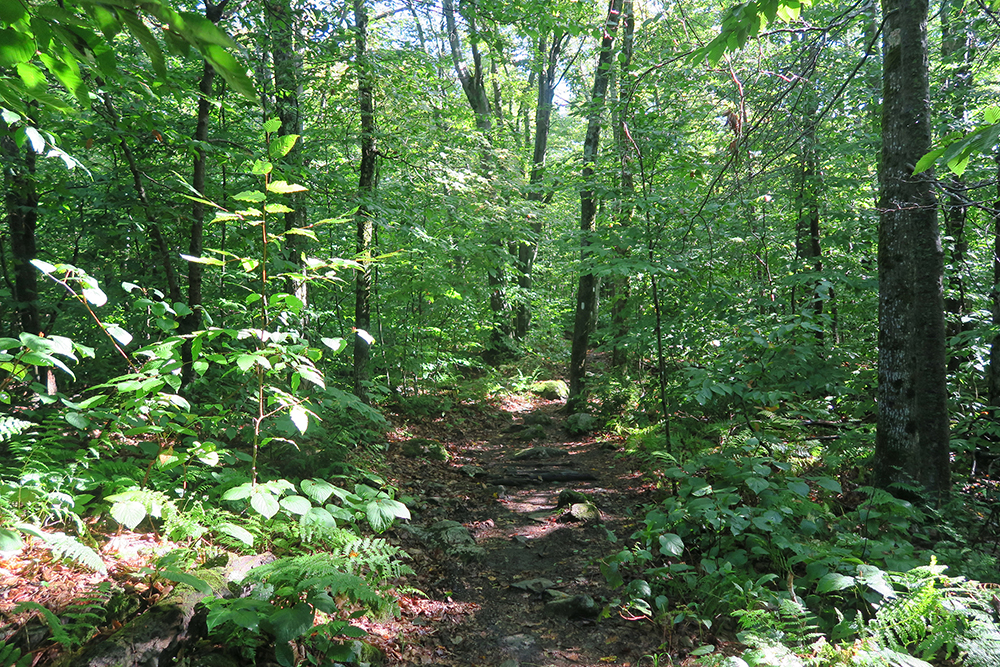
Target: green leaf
[15,47]
[231,70]
[829,484]
[927,161]
[671,544]
[799,487]
[834,581]
[78,420]
[12,11]
[261,168]
[264,502]
[10,540]
[299,417]
[119,334]
[128,513]
[149,44]
[757,484]
[272,125]
[250,195]
[280,146]
[212,261]
[238,492]
[277,208]
[33,78]
[241,534]
[317,489]
[194,582]
[296,504]
[284,187]
[291,623]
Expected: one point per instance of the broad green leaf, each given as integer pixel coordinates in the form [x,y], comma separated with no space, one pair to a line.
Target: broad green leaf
[231,70]
[284,187]
[95,295]
[179,577]
[238,492]
[35,138]
[250,195]
[318,516]
[245,361]
[293,622]
[33,78]
[213,261]
[149,44]
[43,266]
[12,11]
[299,417]
[757,484]
[317,489]
[261,168]
[15,47]
[10,541]
[834,581]
[991,114]
[241,534]
[277,208]
[927,161]
[799,487]
[295,504]
[128,513]
[671,544]
[78,420]
[280,146]
[264,502]
[828,483]
[272,125]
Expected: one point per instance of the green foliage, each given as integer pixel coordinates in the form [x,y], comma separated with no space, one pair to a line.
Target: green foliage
[286,595]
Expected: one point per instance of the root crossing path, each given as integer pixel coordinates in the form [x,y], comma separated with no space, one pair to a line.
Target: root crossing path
[543,508]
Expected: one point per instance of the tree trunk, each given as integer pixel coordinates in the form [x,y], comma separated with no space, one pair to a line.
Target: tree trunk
[584,310]
[619,288]
[527,251]
[957,53]
[287,68]
[994,371]
[189,323]
[912,444]
[22,218]
[807,235]
[367,185]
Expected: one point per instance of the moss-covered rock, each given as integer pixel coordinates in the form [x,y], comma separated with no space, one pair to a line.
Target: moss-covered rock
[425,448]
[551,389]
[531,433]
[580,423]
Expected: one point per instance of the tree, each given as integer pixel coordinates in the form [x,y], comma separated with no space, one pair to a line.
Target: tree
[367,185]
[584,309]
[912,445]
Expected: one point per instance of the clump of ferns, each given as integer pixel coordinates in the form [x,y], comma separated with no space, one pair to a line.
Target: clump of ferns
[938,617]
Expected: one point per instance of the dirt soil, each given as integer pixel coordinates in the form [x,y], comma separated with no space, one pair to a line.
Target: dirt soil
[473,614]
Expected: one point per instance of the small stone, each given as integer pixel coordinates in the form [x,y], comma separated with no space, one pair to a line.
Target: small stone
[578,606]
[473,471]
[585,511]
[534,585]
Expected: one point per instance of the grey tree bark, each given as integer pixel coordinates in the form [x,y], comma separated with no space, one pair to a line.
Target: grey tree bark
[912,445]
[584,308]
[367,185]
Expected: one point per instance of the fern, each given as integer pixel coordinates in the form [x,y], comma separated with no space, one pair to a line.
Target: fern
[66,546]
[793,625]
[11,656]
[374,558]
[939,617]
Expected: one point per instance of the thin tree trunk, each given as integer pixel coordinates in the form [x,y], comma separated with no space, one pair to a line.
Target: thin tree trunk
[994,372]
[584,310]
[911,444]
[626,193]
[367,185]
[287,68]
[957,53]
[22,219]
[527,251]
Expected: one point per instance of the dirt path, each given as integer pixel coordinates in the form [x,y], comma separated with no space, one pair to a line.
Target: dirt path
[492,610]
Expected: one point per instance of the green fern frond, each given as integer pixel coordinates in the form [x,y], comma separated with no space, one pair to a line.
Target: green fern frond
[66,546]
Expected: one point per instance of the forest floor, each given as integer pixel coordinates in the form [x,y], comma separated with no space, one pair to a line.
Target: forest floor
[492,610]
[488,611]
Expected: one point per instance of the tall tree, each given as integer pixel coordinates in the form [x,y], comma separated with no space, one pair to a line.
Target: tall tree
[367,185]
[21,199]
[586,289]
[911,445]
[527,251]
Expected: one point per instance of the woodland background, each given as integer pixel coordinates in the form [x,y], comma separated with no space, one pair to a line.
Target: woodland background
[237,232]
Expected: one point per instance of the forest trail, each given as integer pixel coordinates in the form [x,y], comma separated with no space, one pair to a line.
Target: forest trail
[497,609]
